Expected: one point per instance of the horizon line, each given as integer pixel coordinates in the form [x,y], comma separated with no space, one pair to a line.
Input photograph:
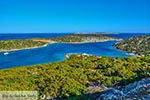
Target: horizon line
[65,32]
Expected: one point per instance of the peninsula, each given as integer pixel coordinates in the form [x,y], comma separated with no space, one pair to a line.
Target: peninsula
[12,45]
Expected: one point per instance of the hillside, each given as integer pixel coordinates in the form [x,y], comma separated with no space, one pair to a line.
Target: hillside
[74,76]
[139,45]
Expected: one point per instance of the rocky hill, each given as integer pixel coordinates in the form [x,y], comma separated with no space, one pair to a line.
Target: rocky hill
[139,45]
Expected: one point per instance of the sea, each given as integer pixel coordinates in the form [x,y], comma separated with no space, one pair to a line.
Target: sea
[56,52]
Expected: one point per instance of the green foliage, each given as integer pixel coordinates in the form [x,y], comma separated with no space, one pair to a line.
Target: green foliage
[70,78]
[81,38]
[18,44]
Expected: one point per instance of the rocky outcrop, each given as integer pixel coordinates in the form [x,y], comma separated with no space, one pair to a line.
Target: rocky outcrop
[136,91]
[110,94]
[95,87]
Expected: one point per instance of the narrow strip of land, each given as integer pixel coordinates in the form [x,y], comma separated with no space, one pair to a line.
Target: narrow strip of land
[13,45]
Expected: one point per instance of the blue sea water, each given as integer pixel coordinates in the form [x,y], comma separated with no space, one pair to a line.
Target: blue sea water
[54,52]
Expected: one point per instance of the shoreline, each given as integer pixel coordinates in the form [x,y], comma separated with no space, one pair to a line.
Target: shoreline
[53,42]
[90,41]
[129,53]
[24,48]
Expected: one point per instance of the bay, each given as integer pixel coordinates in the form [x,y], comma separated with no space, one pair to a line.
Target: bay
[55,52]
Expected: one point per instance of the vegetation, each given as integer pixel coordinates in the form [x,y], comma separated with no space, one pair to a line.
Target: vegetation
[70,78]
[139,45]
[6,45]
[83,38]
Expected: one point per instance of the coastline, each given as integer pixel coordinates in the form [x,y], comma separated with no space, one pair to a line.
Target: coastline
[129,53]
[53,42]
[90,41]
[24,48]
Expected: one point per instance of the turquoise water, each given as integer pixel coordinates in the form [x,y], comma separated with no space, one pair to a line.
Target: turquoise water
[55,52]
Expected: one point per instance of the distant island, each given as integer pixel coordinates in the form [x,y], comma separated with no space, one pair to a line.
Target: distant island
[12,45]
[83,38]
[139,45]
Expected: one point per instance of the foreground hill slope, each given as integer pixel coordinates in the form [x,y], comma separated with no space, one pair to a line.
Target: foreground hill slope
[74,76]
[139,45]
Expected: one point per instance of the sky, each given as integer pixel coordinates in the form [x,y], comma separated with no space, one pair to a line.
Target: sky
[51,16]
